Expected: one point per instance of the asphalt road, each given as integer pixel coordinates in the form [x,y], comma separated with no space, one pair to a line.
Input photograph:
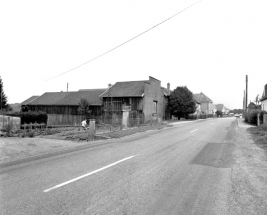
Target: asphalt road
[184,169]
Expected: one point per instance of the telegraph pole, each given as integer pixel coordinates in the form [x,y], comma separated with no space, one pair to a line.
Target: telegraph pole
[246,92]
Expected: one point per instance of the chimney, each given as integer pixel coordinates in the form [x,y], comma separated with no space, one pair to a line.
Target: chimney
[168,88]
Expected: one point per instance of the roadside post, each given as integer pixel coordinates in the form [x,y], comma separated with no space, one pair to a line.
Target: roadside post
[91,133]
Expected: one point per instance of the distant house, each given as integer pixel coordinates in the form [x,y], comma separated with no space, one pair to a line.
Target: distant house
[264,99]
[198,109]
[227,110]
[66,102]
[145,98]
[222,108]
[214,109]
[206,104]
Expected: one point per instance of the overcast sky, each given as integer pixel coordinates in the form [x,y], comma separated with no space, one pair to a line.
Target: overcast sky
[209,47]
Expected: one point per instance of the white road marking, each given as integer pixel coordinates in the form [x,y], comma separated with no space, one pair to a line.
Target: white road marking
[90,173]
[194,130]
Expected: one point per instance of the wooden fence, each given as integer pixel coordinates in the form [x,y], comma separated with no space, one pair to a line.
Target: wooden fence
[64,119]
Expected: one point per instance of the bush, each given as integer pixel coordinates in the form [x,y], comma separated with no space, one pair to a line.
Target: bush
[8,129]
[252,116]
[31,133]
[32,117]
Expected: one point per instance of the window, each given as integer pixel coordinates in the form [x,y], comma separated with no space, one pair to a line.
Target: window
[155,106]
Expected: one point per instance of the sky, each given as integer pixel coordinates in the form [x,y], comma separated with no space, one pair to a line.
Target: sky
[210,47]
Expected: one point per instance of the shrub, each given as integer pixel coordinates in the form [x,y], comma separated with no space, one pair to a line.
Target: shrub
[8,128]
[31,133]
[252,116]
[32,117]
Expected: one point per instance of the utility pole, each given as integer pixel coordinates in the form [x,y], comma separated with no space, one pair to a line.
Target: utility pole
[1,96]
[246,92]
[67,87]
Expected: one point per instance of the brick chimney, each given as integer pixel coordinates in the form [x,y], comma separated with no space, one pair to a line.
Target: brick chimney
[168,88]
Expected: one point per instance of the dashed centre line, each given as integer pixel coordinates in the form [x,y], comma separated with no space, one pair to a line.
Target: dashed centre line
[193,130]
[90,173]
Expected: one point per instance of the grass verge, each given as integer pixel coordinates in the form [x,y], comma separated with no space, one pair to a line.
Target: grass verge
[259,134]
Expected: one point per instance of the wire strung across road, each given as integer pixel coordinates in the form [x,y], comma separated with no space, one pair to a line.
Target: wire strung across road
[125,42]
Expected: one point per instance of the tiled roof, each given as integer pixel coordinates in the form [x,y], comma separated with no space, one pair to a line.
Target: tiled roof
[201,97]
[29,100]
[219,107]
[69,98]
[126,89]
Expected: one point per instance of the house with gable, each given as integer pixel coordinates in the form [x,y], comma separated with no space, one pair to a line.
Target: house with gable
[264,99]
[146,98]
[206,104]
[222,108]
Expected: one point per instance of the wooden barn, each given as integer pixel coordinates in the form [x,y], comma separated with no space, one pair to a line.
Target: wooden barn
[62,107]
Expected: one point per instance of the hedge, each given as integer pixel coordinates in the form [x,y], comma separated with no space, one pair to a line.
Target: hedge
[252,116]
[32,117]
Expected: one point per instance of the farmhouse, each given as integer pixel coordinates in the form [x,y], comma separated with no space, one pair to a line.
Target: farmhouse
[140,98]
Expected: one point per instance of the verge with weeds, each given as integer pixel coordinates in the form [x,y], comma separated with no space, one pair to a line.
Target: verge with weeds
[259,134]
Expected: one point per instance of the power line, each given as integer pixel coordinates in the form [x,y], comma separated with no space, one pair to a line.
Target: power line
[125,41]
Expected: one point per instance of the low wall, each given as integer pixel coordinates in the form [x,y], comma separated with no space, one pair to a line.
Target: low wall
[64,119]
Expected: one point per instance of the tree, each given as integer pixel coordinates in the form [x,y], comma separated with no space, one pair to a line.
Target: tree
[3,97]
[219,113]
[84,108]
[182,102]
[252,106]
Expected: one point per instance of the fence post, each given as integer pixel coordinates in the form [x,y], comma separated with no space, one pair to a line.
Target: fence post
[258,119]
[91,133]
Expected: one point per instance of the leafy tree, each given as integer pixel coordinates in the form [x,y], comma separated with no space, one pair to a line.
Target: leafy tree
[3,97]
[219,113]
[84,108]
[182,102]
[252,106]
